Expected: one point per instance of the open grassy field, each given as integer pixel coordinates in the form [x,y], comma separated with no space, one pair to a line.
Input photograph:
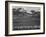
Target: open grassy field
[26,22]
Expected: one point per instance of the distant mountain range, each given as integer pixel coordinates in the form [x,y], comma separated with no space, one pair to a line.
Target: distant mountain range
[26,14]
[22,13]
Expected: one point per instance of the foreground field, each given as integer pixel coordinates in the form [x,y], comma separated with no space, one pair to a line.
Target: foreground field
[26,22]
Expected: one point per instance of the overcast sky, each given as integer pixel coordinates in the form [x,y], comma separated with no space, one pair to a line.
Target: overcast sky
[28,8]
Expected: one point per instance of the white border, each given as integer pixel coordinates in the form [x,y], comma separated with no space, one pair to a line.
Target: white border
[24,31]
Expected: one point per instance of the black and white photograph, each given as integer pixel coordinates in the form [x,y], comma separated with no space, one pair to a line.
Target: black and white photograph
[24,18]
